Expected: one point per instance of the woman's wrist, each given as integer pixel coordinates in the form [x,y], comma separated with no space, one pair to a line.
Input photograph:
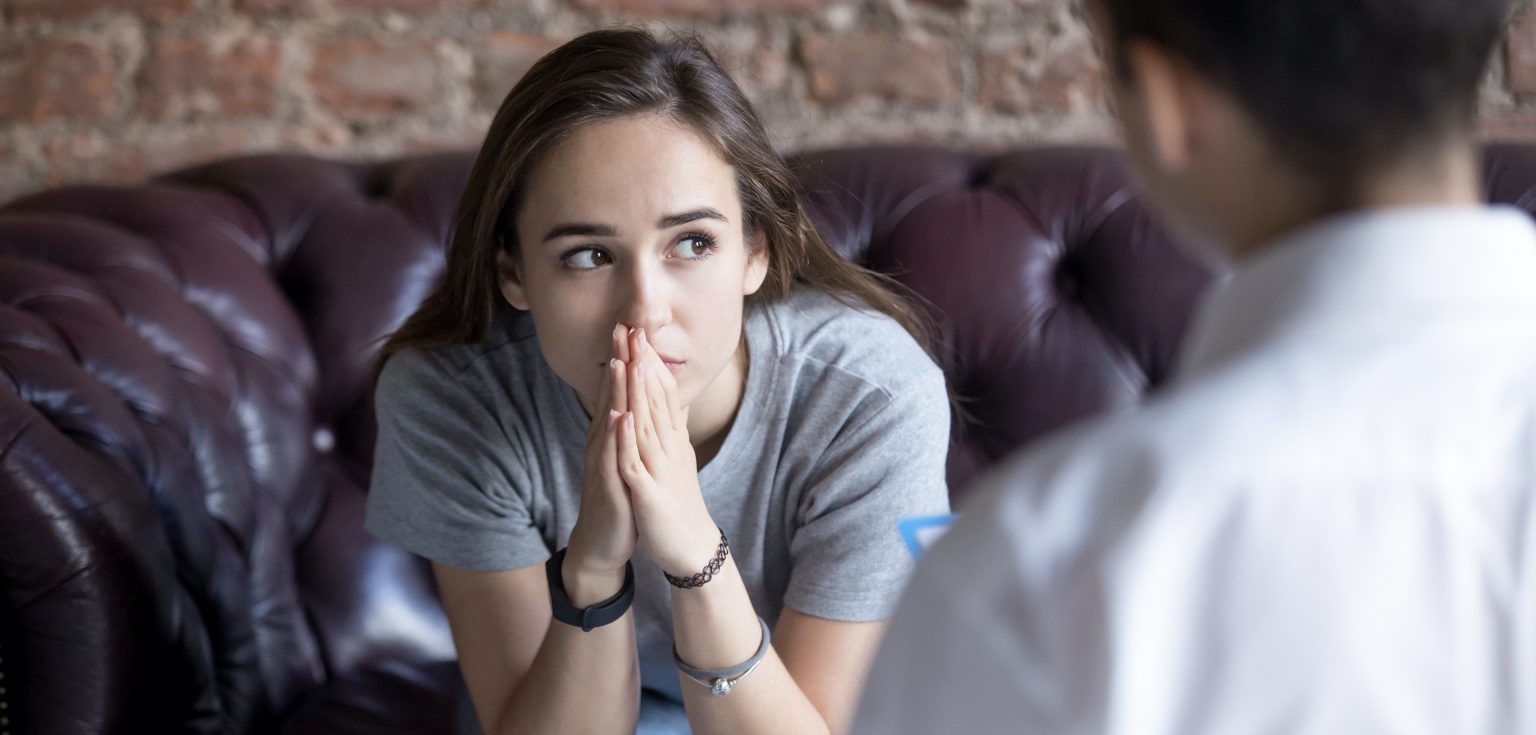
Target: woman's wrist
[588,580]
[702,565]
[586,586]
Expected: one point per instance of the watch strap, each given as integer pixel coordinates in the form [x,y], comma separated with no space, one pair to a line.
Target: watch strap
[592,616]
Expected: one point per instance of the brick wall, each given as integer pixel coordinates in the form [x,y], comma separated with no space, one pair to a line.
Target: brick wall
[112,90]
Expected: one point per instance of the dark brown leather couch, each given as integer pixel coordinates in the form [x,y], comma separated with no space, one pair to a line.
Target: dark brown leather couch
[185,434]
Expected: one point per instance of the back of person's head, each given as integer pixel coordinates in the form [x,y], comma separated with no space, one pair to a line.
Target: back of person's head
[1340,87]
[606,75]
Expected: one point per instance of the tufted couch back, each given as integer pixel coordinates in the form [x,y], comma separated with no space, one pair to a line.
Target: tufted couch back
[185,435]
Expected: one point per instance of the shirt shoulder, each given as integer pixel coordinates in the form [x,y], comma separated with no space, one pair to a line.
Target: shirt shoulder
[509,349]
[821,332]
[1194,446]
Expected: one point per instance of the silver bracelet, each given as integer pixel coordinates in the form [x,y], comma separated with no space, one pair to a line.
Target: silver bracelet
[720,681]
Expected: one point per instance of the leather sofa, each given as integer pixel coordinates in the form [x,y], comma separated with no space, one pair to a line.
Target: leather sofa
[185,430]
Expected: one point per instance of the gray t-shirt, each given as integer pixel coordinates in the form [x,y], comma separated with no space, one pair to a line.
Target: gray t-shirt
[842,431]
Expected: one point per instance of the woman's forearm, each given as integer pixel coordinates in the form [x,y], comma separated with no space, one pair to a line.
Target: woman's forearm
[715,626]
[580,681]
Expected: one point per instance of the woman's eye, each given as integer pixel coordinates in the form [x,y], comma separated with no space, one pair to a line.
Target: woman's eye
[693,247]
[585,259]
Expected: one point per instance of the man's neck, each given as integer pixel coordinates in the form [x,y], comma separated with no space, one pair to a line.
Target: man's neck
[1444,177]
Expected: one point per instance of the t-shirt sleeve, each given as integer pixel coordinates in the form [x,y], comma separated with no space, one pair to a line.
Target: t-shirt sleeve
[885,464]
[445,482]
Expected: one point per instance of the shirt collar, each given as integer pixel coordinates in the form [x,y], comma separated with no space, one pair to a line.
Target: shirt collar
[1365,269]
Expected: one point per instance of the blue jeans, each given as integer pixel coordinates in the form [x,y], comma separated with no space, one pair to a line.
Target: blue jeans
[659,715]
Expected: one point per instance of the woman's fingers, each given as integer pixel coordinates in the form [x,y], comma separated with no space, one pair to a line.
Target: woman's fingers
[673,407]
[608,449]
[619,342]
[656,399]
[635,375]
[631,466]
[648,437]
[645,403]
[600,407]
[618,381]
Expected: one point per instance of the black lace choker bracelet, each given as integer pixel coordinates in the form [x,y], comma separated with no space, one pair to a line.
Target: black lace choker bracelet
[710,569]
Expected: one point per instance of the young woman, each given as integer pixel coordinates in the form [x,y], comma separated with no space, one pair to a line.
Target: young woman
[653,433]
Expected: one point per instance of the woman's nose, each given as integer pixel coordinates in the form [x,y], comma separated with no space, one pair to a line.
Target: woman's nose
[646,305]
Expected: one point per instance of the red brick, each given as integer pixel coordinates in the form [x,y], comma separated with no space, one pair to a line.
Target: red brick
[464,135]
[90,157]
[1019,80]
[365,77]
[158,11]
[112,158]
[166,149]
[277,7]
[698,8]
[753,60]
[403,6]
[865,65]
[319,137]
[503,58]
[48,79]
[193,76]
[1520,52]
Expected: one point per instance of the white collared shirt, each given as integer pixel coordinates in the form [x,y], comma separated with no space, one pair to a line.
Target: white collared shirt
[1327,525]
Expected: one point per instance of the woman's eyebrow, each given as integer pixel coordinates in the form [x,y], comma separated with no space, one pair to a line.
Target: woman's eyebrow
[588,229]
[584,229]
[673,220]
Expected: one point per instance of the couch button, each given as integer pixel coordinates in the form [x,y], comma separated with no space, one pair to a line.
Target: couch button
[323,440]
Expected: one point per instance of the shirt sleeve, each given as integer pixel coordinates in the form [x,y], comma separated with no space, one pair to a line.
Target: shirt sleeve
[886,464]
[445,482]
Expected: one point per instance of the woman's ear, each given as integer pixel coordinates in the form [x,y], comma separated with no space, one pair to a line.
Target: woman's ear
[757,264]
[510,279]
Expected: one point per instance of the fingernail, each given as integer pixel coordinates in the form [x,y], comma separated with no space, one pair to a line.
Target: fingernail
[613,362]
[613,416]
[642,338]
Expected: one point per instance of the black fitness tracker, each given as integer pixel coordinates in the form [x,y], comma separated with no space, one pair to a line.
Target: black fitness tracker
[594,616]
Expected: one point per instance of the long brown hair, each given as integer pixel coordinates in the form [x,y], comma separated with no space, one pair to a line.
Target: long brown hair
[609,74]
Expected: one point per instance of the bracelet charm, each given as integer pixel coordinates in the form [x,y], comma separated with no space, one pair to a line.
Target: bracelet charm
[721,681]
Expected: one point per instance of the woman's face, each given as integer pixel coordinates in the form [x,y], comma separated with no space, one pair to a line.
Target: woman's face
[634,222]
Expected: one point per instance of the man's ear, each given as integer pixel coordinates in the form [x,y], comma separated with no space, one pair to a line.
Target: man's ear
[757,264]
[510,279]
[1173,100]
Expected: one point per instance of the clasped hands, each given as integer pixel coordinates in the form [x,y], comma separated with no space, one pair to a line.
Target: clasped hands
[641,481]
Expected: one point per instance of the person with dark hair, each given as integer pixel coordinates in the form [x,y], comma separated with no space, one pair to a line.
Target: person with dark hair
[653,433]
[1327,522]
